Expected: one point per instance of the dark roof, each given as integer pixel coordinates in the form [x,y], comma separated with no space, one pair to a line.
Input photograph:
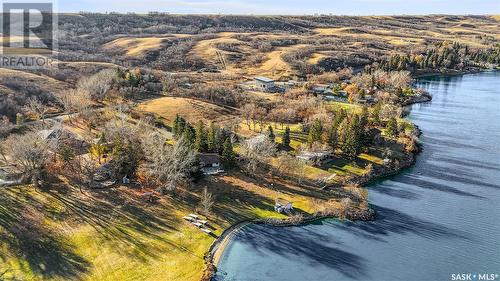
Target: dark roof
[264,79]
[208,158]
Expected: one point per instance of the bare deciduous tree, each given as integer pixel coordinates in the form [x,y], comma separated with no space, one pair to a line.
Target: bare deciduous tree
[167,164]
[207,201]
[257,150]
[74,101]
[30,154]
[97,85]
[36,108]
[345,205]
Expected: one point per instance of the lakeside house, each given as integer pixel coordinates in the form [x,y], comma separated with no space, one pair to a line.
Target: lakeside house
[317,158]
[103,177]
[210,163]
[368,99]
[328,93]
[321,90]
[68,138]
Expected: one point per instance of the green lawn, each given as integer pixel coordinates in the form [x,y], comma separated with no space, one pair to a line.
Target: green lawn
[107,235]
[63,234]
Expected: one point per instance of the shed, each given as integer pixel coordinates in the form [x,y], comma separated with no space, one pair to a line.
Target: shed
[283,206]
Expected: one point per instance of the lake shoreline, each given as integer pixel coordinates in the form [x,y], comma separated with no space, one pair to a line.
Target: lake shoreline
[216,249]
[214,254]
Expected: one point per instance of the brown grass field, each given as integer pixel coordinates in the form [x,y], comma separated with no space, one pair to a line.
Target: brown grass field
[193,110]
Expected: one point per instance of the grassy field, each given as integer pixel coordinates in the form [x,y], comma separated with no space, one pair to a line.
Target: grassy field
[139,46]
[62,233]
[45,83]
[193,110]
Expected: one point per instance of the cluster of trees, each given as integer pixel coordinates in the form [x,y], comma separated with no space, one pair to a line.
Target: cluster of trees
[168,165]
[203,139]
[347,132]
[285,138]
[387,80]
[257,151]
[16,91]
[175,56]
[122,149]
[134,83]
[444,55]
[387,86]
[31,154]
[293,107]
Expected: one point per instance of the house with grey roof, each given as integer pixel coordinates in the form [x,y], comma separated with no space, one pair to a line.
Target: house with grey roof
[263,83]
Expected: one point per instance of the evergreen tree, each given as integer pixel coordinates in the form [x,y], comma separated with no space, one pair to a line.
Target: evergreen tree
[228,155]
[352,143]
[200,142]
[333,137]
[285,141]
[363,125]
[211,138]
[125,160]
[392,127]
[189,134]
[339,117]
[220,138]
[315,132]
[181,126]
[376,113]
[364,117]
[342,131]
[175,125]
[102,139]
[270,133]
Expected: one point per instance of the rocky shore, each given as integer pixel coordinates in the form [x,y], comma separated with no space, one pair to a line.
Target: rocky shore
[422,97]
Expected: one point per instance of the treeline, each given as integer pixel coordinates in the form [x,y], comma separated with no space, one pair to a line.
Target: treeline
[211,139]
[347,132]
[444,55]
[350,132]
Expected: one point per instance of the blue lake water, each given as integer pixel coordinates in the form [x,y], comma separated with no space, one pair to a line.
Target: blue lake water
[439,218]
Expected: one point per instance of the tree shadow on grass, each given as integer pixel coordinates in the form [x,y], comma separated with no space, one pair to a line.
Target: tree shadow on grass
[235,204]
[124,220]
[23,231]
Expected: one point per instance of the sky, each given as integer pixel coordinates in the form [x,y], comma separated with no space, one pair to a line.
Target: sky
[286,7]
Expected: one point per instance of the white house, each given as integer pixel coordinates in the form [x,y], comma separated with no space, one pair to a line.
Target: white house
[264,83]
[317,158]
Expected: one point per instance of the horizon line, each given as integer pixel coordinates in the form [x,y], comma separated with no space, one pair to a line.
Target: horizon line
[261,15]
